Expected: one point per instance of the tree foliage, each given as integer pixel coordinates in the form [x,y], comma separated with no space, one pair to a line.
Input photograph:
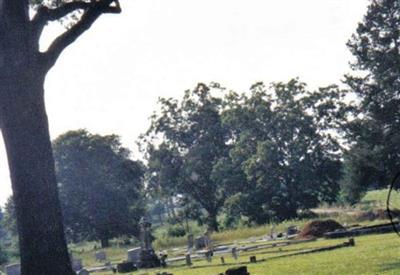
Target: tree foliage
[100,187]
[192,142]
[374,135]
[281,147]
[264,154]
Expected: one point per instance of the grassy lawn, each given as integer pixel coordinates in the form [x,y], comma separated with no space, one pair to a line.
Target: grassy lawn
[373,254]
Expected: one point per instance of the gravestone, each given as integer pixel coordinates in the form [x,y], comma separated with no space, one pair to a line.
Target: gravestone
[13,269]
[76,264]
[134,255]
[101,256]
[188,259]
[200,242]
[209,255]
[190,243]
[292,230]
[222,260]
[272,232]
[234,253]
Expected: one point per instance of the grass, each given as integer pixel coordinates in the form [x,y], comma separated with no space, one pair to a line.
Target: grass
[376,199]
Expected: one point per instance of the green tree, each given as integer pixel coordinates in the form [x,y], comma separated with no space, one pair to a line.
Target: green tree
[281,147]
[162,173]
[100,187]
[191,133]
[24,125]
[373,134]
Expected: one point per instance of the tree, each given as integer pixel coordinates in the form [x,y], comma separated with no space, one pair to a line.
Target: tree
[373,134]
[100,187]
[281,147]
[192,134]
[162,173]
[24,125]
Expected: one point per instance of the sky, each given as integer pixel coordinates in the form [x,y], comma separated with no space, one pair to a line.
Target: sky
[109,80]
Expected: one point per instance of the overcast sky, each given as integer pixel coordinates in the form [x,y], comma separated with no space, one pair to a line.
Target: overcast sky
[109,80]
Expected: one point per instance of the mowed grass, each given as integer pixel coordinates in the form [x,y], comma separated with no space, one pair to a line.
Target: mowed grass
[372,254]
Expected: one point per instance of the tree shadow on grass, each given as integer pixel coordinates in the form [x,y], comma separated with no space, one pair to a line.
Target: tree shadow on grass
[390,266]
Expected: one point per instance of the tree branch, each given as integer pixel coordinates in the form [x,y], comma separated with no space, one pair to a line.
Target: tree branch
[92,12]
[46,14]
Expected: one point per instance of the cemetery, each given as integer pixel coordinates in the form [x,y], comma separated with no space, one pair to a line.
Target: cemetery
[137,160]
[261,254]
[309,244]
[254,255]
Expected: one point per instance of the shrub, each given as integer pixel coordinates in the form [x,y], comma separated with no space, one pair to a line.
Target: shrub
[176,231]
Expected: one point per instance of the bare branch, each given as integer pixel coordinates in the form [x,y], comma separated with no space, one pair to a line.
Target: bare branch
[91,14]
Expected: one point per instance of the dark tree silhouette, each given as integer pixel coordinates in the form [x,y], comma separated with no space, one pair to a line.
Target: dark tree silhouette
[24,124]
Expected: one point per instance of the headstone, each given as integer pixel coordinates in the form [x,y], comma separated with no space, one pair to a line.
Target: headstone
[272,231]
[234,253]
[13,269]
[101,256]
[209,255]
[83,272]
[200,242]
[188,259]
[222,260]
[292,230]
[76,264]
[190,243]
[134,255]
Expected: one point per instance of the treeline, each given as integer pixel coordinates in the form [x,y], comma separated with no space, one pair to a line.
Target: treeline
[266,154]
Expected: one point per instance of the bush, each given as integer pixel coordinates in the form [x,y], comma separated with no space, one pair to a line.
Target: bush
[176,231]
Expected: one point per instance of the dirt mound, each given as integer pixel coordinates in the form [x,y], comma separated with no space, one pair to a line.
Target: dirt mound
[319,227]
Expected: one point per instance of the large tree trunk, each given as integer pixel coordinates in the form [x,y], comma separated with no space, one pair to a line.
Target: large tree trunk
[25,131]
